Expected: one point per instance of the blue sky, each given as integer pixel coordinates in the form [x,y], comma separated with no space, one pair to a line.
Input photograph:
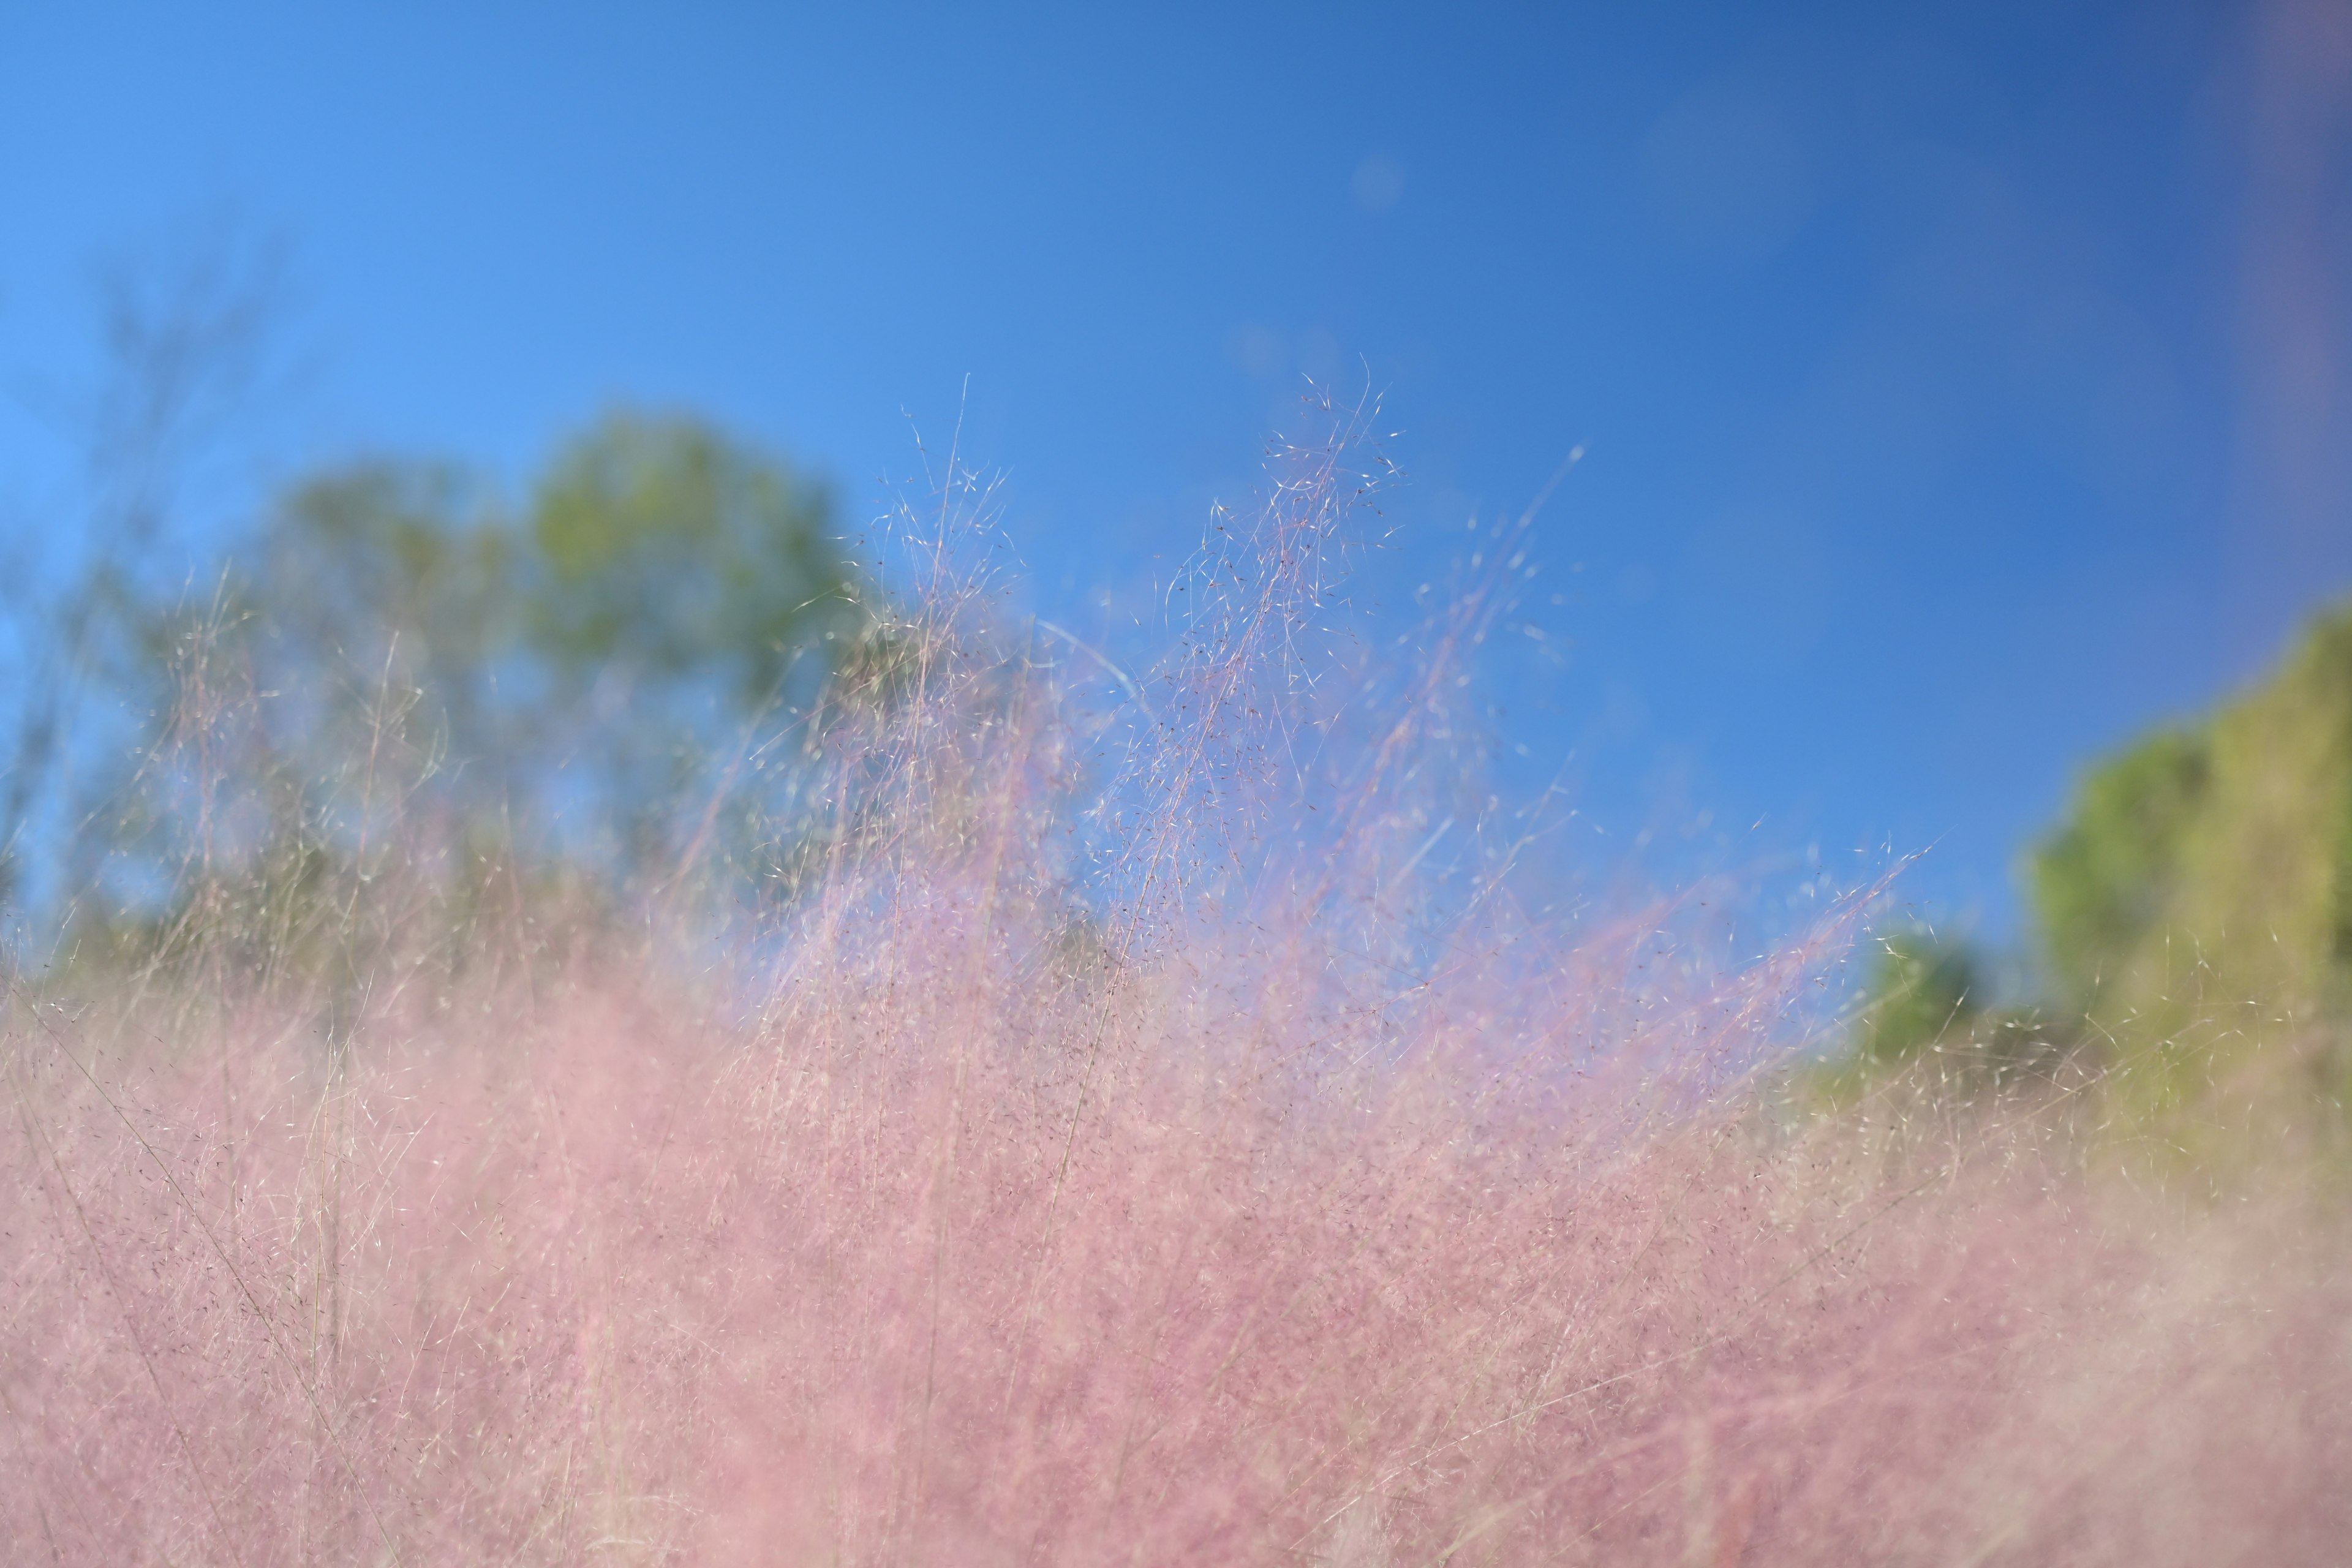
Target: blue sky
[1963,387]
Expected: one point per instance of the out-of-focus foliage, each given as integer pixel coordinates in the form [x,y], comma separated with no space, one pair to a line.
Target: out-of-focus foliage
[662,550]
[655,553]
[2103,882]
[387,574]
[1922,988]
[1928,1016]
[2196,904]
[182,356]
[2194,912]
[565,675]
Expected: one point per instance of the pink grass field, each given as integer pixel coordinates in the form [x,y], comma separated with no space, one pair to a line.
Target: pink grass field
[1217,1199]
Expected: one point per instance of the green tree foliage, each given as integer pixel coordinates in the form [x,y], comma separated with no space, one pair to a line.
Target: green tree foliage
[2197,900]
[1922,988]
[660,547]
[576,661]
[2105,880]
[388,572]
[1929,1029]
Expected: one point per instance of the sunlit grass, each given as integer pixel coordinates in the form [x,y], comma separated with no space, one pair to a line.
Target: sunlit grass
[1095,1154]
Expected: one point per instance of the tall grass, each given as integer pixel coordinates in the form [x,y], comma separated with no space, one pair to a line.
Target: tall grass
[1105,1139]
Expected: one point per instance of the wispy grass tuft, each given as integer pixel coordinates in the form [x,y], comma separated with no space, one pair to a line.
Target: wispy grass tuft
[1061,1135]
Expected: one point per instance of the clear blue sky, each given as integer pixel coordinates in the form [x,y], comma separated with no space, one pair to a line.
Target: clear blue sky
[1964,386]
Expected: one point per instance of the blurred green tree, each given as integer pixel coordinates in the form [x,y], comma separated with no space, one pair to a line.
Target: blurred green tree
[2196,903]
[388,572]
[663,549]
[2107,877]
[584,657]
[1922,989]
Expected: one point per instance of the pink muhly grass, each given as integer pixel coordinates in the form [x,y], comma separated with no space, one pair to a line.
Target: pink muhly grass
[1230,1197]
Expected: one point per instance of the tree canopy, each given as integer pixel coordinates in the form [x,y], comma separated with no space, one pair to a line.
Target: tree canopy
[2197,900]
[578,657]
